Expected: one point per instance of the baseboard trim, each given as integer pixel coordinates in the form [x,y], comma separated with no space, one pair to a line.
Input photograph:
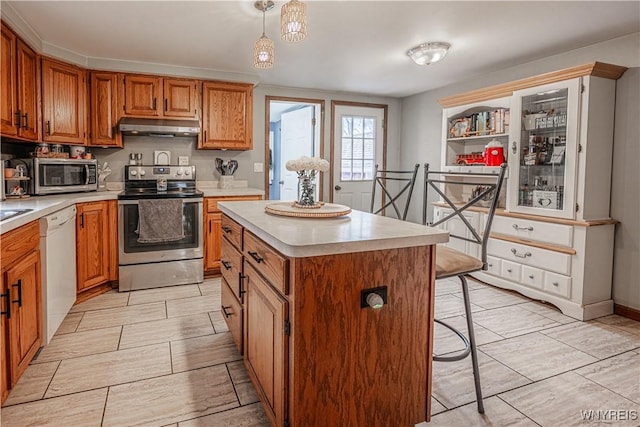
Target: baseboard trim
[628,312]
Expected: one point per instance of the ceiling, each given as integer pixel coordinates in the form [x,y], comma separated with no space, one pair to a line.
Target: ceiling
[353,46]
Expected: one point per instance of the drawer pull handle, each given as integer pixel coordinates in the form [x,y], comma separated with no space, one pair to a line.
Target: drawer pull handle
[509,270]
[531,276]
[19,286]
[556,284]
[515,252]
[226,229]
[6,295]
[224,311]
[257,257]
[517,227]
[226,264]
[241,278]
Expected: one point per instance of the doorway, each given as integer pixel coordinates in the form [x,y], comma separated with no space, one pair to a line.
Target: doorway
[294,129]
[358,143]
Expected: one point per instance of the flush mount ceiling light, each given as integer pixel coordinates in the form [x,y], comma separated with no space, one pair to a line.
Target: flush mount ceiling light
[293,21]
[264,49]
[428,53]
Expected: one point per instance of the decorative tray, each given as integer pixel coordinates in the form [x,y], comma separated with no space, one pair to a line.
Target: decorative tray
[327,210]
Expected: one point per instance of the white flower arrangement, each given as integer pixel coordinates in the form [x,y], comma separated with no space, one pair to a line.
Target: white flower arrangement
[305,163]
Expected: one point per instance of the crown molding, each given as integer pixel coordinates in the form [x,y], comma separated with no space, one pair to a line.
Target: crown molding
[21,27]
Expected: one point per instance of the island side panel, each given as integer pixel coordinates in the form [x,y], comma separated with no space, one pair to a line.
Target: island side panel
[359,366]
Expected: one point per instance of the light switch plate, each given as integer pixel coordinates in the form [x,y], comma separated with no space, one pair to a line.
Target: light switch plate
[183,160]
[258,167]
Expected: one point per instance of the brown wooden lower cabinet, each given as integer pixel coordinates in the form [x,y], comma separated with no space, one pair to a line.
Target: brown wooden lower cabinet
[213,231]
[20,285]
[315,355]
[96,246]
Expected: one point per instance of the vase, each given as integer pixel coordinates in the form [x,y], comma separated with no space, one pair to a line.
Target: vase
[306,189]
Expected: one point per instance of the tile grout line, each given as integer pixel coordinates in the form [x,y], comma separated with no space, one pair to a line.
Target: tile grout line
[516,409]
[104,409]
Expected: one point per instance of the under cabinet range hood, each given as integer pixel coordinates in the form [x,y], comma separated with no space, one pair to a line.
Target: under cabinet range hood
[158,127]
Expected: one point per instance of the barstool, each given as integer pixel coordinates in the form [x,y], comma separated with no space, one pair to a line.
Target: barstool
[381,178]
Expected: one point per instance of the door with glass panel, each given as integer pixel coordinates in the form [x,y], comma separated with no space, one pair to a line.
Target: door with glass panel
[544,149]
[358,144]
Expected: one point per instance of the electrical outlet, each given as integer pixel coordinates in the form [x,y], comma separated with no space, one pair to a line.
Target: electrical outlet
[258,167]
[183,160]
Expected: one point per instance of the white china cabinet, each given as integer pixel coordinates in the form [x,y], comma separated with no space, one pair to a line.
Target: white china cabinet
[552,239]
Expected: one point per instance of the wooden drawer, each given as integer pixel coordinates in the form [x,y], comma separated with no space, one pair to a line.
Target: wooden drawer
[494,265]
[510,270]
[232,312]
[557,234]
[231,267]
[232,231]
[16,243]
[266,261]
[533,277]
[557,284]
[529,255]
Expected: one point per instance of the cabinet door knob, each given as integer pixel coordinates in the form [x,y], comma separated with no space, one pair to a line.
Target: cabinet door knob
[509,270]
[514,147]
[531,276]
[556,284]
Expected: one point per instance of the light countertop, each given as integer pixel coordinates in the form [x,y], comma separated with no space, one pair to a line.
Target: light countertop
[45,205]
[355,232]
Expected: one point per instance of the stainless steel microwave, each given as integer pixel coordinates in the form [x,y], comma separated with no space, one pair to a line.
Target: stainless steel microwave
[54,176]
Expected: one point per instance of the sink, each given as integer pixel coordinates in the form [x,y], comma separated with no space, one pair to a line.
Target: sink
[10,213]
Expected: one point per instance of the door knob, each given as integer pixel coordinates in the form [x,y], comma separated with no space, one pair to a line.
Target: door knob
[337,188]
[281,182]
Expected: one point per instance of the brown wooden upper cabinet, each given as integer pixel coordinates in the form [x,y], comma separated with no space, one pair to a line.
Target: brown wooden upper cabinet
[64,99]
[151,96]
[227,116]
[104,110]
[19,113]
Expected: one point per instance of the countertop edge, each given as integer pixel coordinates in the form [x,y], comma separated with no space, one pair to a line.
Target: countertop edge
[335,248]
[45,205]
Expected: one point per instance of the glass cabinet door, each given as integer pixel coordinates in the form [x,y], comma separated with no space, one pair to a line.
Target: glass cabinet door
[543,150]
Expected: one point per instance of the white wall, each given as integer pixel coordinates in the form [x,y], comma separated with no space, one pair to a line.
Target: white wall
[421,134]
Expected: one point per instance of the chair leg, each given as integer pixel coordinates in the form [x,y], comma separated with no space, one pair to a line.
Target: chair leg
[472,342]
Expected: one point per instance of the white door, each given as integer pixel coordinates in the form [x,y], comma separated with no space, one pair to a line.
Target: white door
[297,139]
[357,147]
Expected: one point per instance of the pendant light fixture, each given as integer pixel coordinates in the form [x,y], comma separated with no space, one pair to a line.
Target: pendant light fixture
[293,21]
[264,49]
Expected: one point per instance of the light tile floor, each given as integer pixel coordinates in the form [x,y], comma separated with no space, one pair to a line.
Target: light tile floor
[164,357]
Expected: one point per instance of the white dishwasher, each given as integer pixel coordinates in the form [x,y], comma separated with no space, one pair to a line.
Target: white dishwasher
[58,254]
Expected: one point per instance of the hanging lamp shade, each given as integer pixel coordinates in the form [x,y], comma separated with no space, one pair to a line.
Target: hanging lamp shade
[263,53]
[293,21]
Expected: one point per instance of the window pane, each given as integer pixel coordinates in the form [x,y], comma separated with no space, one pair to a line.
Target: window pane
[347,126]
[369,127]
[357,148]
[357,170]
[369,152]
[358,126]
[368,169]
[345,170]
[346,148]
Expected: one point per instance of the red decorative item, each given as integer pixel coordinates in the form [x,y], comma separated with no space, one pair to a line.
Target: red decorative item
[493,153]
[470,159]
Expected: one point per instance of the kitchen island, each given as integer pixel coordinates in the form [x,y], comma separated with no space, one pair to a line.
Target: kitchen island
[334,316]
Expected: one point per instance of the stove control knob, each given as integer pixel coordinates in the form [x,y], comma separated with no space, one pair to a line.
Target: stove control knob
[142,173]
[187,172]
[133,173]
[179,172]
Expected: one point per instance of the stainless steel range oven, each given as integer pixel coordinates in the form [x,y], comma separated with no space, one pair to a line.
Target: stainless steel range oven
[155,262]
